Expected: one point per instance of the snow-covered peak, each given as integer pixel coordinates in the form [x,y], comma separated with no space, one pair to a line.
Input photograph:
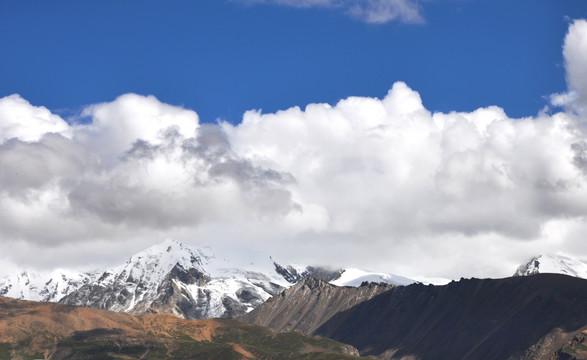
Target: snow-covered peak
[555,264]
[169,251]
[153,264]
[354,277]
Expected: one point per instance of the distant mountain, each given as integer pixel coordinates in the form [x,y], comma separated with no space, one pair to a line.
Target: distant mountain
[33,330]
[539,317]
[553,264]
[177,279]
[344,277]
[43,287]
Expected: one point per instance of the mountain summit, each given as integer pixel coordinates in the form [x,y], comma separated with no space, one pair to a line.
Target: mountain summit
[553,264]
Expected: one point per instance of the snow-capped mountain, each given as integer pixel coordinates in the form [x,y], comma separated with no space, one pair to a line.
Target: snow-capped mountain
[29,285]
[182,280]
[174,278]
[555,264]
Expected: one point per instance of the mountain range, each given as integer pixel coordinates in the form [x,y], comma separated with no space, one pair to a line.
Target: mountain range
[178,279]
[532,315]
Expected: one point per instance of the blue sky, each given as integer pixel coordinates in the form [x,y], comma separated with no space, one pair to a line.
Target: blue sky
[222,58]
[396,160]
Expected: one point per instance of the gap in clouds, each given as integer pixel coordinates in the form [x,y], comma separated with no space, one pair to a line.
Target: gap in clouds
[378,183]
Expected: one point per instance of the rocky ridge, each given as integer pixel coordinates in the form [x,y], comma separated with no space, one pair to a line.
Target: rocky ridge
[309,304]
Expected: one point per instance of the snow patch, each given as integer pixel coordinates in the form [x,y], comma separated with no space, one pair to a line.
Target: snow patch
[354,277]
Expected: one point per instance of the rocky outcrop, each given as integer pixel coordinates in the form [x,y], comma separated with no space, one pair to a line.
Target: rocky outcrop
[293,275]
[309,304]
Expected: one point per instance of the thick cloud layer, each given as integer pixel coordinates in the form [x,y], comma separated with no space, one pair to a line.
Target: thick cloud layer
[376,183]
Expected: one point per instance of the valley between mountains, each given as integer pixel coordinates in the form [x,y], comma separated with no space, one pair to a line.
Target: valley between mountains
[174,301]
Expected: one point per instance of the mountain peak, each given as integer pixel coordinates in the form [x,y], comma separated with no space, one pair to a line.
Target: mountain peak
[167,245]
[555,264]
[313,283]
[165,255]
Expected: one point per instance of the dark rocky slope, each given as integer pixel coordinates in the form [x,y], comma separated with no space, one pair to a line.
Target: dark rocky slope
[514,318]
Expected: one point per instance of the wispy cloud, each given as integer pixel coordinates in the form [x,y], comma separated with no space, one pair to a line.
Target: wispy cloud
[370,11]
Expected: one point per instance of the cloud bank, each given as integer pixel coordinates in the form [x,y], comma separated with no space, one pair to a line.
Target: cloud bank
[378,183]
[370,11]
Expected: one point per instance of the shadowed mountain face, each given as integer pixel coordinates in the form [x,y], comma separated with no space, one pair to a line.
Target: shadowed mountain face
[538,317]
[514,318]
[31,330]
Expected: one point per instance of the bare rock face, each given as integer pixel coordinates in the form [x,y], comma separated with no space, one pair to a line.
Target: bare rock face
[310,303]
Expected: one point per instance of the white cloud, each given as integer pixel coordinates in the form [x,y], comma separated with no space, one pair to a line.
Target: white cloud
[132,117]
[20,120]
[391,167]
[377,183]
[139,166]
[370,11]
[575,54]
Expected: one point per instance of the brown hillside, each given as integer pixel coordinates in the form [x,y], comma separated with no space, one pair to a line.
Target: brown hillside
[32,330]
[18,319]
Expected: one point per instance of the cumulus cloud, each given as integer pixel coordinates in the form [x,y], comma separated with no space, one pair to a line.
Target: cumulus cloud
[138,165]
[370,11]
[575,54]
[378,183]
[391,167]
[20,120]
